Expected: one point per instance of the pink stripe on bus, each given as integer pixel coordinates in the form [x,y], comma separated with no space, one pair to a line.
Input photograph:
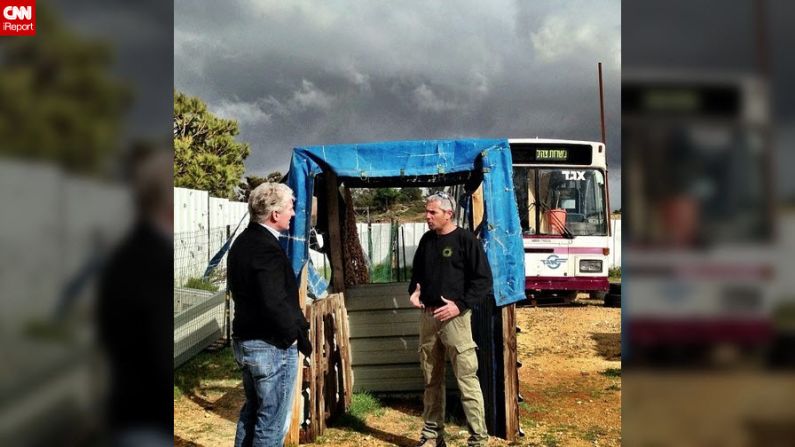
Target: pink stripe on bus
[580,250]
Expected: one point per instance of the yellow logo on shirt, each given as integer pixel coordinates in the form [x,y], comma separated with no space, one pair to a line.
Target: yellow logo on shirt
[447,252]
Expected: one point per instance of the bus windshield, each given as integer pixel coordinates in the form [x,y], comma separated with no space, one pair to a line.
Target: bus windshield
[561,200]
[711,188]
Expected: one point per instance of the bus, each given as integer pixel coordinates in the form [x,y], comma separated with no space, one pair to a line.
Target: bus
[562,196]
[700,218]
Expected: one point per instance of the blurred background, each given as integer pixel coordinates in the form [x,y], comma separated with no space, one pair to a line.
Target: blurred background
[85,184]
[708,316]
[85,177]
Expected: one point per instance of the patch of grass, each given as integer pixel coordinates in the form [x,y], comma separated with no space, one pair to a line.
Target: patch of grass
[362,405]
[533,408]
[218,365]
[611,372]
[593,433]
[200,284]
[555,391]
[528,423]
[614,273]
[384,272]
[549,440]
[613,387]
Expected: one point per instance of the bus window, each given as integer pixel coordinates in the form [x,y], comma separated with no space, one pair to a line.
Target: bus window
[573,197]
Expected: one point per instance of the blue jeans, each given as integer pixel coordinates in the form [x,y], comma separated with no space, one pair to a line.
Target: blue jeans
[268,380]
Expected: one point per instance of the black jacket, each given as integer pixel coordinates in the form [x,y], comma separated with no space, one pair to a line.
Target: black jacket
[136,326]
[265,291]
[453,265]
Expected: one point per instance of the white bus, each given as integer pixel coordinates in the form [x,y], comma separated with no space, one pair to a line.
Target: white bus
[699,218]
[561,192]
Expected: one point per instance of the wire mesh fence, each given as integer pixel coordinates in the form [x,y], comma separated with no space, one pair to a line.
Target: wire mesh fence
[389,249]
[200,300]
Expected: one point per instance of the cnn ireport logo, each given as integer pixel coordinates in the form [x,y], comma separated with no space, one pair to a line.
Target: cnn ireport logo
[17,17]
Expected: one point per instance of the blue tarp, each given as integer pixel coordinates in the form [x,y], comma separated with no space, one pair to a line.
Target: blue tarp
[501,234]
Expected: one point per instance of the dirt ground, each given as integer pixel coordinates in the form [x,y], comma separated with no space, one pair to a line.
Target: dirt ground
[570,381]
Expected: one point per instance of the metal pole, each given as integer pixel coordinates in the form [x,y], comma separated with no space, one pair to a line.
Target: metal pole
[602,103]
[403,234]
[397,249]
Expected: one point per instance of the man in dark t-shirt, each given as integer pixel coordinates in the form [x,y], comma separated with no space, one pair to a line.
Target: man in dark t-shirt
[450,275]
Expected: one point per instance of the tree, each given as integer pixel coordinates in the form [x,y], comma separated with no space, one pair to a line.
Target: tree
[410,196]
[252,181]
[60,101]
[206,155]
[386,197]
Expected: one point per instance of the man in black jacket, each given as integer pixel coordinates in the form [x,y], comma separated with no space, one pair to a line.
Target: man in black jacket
[269,327]
[450,275]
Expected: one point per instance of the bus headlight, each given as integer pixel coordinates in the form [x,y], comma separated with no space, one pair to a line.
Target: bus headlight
[590,265]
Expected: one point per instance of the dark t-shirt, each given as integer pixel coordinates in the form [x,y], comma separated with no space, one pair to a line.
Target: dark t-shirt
[453,265]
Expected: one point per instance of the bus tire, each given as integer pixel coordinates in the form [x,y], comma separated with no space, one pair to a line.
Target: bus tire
[612,300]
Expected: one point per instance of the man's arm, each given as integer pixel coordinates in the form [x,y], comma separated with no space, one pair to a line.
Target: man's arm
[479,280]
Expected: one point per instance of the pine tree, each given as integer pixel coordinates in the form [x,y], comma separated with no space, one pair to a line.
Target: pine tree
[206,154]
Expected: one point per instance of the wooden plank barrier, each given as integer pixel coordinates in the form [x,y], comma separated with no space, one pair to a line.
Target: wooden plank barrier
[328,378]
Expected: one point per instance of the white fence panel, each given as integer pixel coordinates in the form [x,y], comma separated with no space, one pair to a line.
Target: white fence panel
[200,230]
[31,268]
[615,244]
[190,210]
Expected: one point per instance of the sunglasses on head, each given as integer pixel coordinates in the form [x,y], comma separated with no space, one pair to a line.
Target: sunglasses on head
[444,196]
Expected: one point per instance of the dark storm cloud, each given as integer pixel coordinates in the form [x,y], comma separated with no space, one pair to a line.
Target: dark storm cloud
[305,72]
[721,37]
[139,35]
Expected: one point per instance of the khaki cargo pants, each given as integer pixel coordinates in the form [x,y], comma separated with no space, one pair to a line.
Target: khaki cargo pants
[453,337]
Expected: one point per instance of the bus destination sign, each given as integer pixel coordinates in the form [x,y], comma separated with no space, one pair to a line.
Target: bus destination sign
[552,154]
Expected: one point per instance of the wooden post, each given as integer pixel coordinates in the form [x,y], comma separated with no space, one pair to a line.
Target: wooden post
[477,207]
[509,354]
[345,350]
[313,431]
[293,434]
[334,233]
[509,358]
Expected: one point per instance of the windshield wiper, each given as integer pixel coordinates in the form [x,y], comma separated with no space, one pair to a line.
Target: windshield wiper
[566,232]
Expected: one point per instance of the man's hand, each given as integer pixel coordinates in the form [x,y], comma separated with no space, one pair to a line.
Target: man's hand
[446,312]
[415,298]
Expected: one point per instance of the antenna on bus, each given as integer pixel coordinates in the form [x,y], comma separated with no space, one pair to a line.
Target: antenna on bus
[601,103]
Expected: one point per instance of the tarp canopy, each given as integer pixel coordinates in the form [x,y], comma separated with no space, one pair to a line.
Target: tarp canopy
[418,163]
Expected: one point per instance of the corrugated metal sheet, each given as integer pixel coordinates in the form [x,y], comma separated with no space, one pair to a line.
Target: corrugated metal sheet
[384,333]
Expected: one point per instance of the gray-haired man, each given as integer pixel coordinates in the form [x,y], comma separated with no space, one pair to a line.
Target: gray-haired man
[450,275]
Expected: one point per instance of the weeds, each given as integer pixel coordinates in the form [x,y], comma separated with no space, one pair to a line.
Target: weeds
[201,284]
[549,440]
[612,372]
[362,405]
[594,433]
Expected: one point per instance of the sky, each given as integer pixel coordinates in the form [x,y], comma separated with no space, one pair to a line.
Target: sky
[306,72]
[722,37]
